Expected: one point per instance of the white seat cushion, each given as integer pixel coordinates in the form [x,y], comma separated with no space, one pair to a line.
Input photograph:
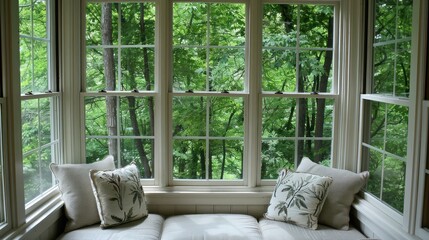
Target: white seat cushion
[211,226]
[273,230]
[147,228]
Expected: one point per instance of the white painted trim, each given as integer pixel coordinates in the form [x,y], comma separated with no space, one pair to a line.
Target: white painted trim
[423,171]
[382,226]
[417,86]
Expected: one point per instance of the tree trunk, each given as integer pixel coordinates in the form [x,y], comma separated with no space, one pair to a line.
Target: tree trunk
[320,118]
[109,74]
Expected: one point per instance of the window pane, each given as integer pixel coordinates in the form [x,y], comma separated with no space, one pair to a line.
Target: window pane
[392,47]
[279,117]
[120,54]
[387,179]
[294,128]
[280,25]
[101,75]
[276,155]
[384,77]
[279,70]
[208,46]
[34,46]
[122,127]
[385,15]
[208,137]
[37,176]
[189,68]
[305,65]
[226,159]
[397,130]
[189,159]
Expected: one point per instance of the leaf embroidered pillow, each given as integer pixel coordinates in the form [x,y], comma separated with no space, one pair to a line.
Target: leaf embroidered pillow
[119,195]
[298,198]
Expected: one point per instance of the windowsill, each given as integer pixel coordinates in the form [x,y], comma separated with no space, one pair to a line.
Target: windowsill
[212,195]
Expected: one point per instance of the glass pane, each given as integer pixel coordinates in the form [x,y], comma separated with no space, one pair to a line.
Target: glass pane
[101,69]
[96,149]
[276,155]
[383,76]
[26,64]
[40,67]
[95,116]
[316,27]
[394,183]
[397,130]
[189,69]
[137,69]
[37,176]
[40,19]
[226,69]
[139,151]
[375,172]
[315,117]
[315,71]
[226,117]
[378,124]
[190,23]
[403,66]
[280,25]
[226,159]
[318,151]
[227,29]
[25,26]
[134,16]
[189,159]
[189,116]
[46,116]
[385,23]
[137,116]
[94,24]
[279,70]
[279,118]
[405,16]
[30,124]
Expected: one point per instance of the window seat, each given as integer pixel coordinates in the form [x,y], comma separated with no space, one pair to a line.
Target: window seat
[208,227]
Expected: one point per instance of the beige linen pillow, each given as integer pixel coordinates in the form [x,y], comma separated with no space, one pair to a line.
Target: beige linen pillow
[345,185]
[298,198]
[119,195]
[75,187]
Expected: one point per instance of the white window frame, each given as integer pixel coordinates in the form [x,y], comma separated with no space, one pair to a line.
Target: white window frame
[423,171]
[55,95]
[404,223]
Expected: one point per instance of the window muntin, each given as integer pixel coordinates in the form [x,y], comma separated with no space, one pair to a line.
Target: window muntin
[208,46]
[298,64]
[40,99]
[2,175]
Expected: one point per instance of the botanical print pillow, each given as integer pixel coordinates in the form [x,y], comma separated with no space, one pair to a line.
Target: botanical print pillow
[119,195]
[298,198]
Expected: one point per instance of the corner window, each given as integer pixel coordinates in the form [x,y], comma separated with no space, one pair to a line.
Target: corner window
[39,95]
